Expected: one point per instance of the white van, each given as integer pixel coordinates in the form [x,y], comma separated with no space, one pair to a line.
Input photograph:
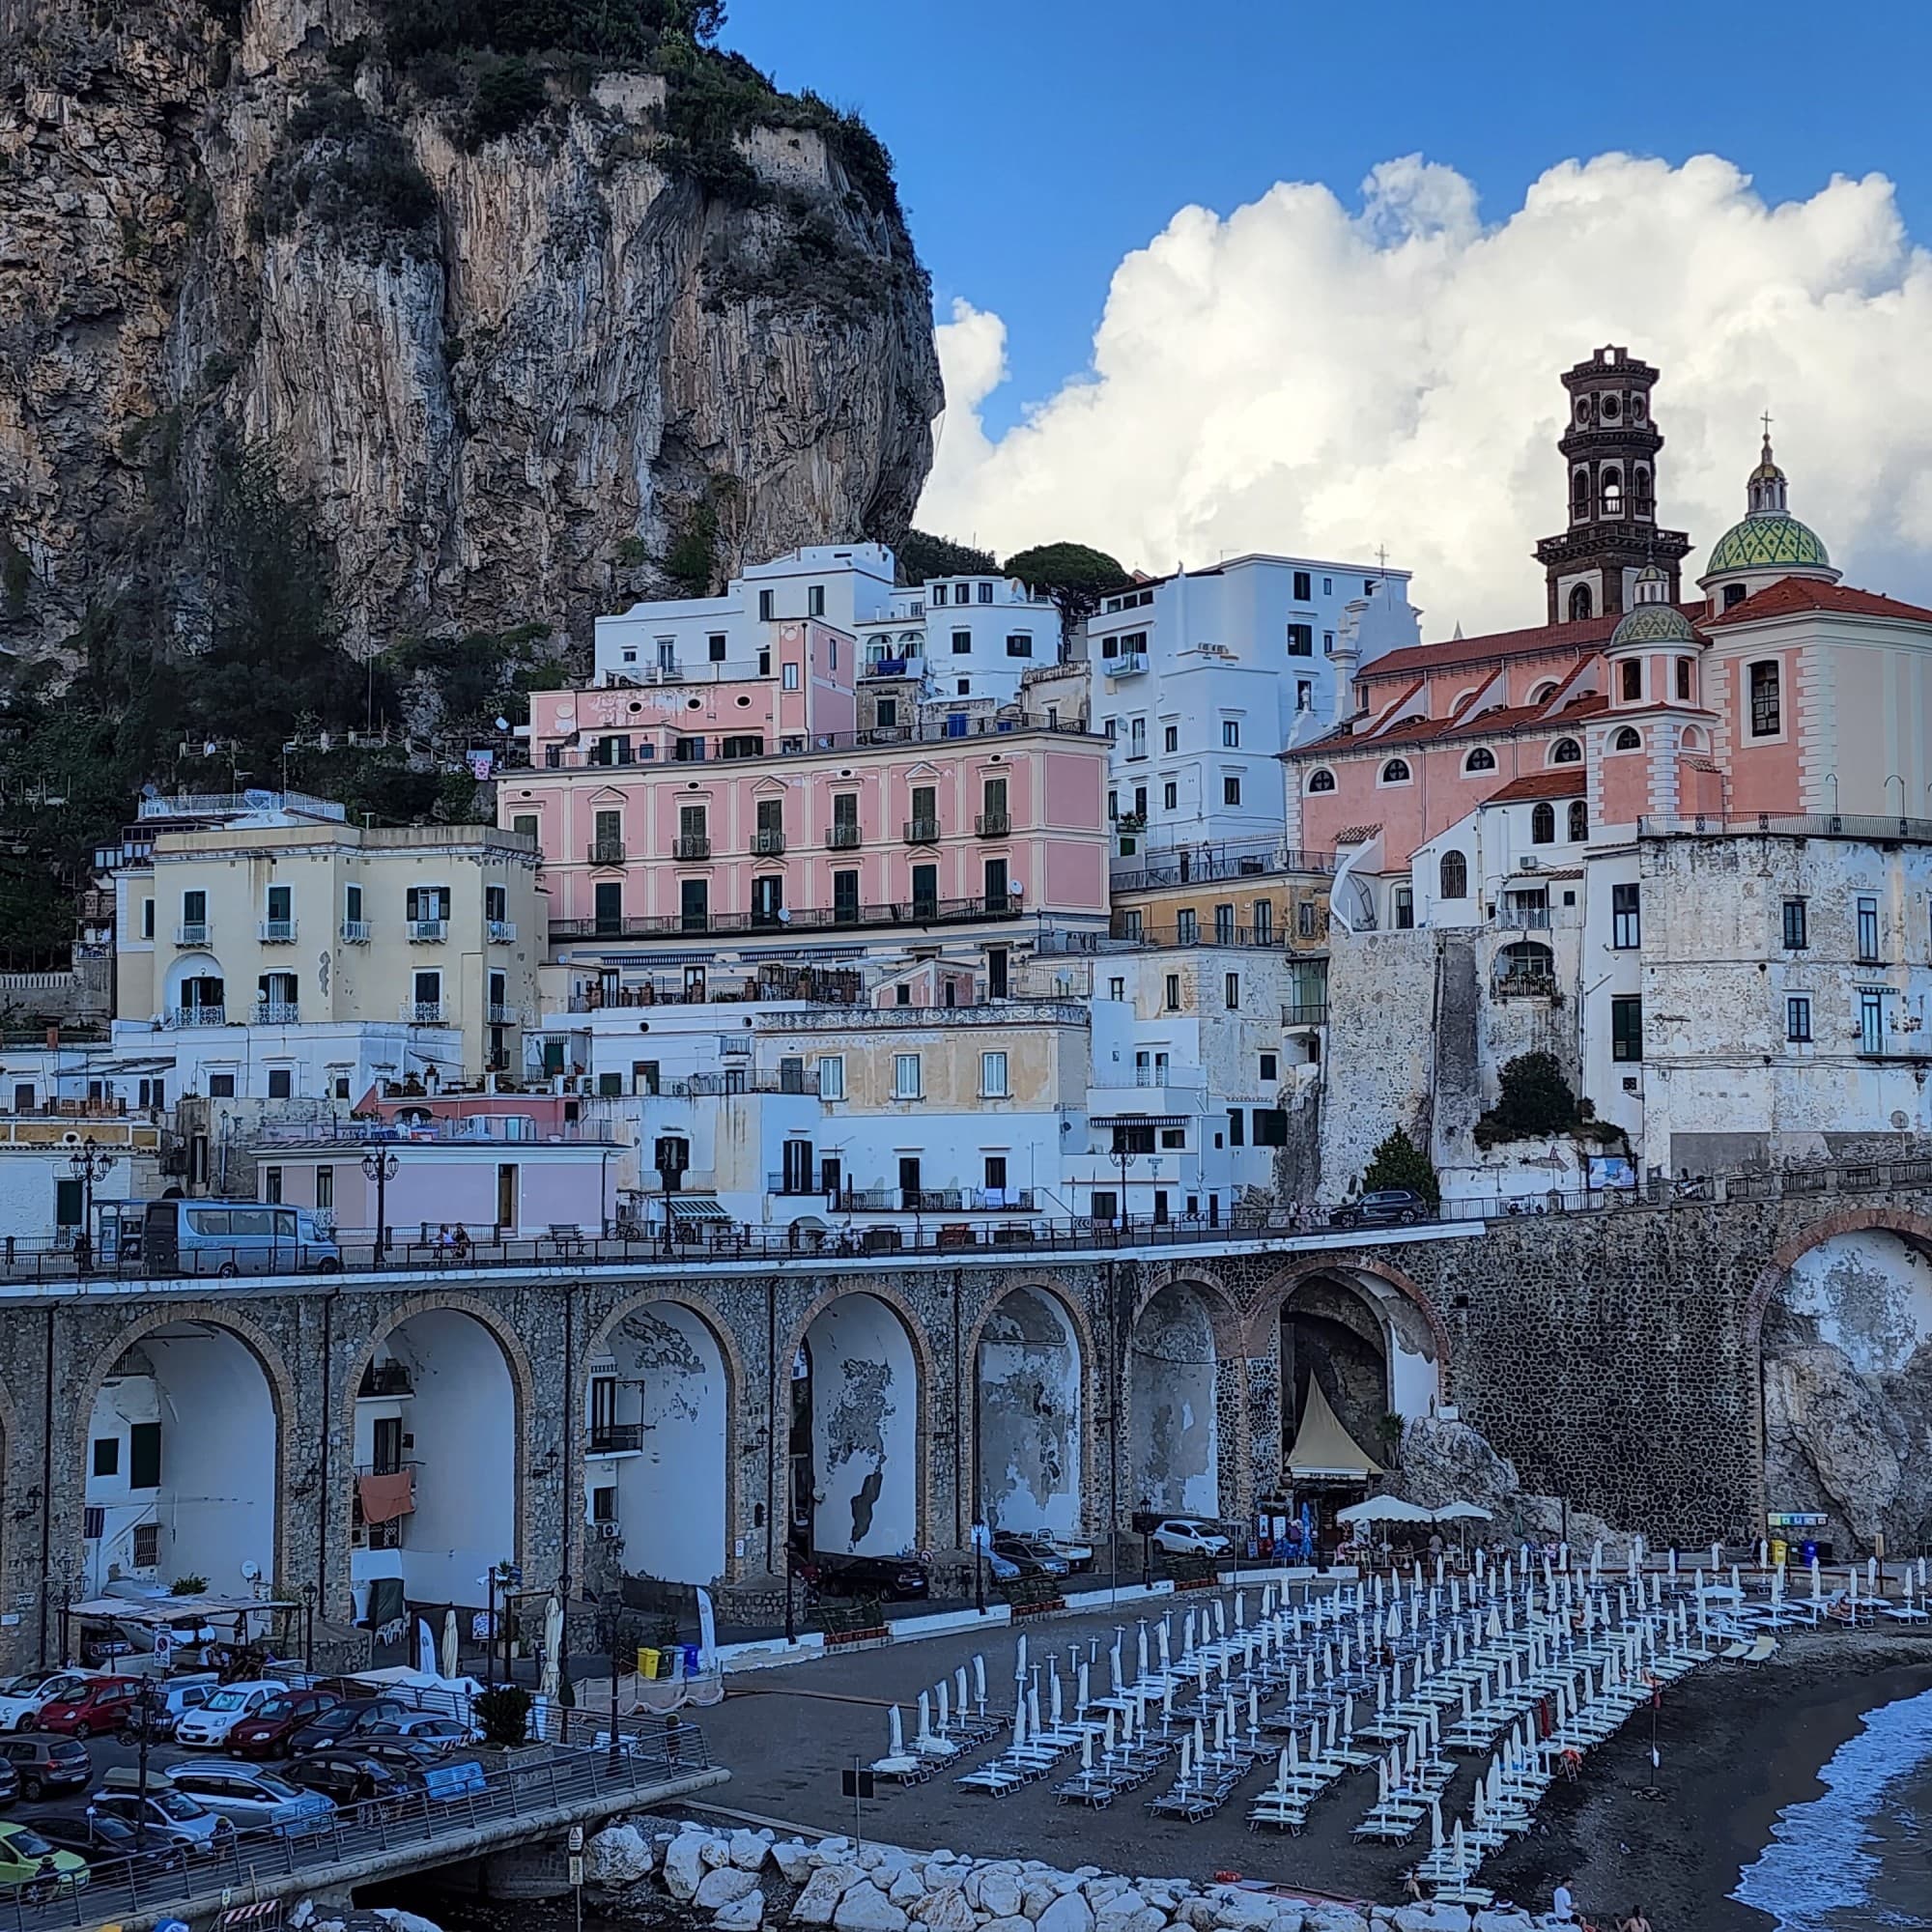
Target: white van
[234,1238]
[207,1726]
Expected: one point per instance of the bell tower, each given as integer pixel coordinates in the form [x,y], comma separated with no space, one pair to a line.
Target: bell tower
[1609,453]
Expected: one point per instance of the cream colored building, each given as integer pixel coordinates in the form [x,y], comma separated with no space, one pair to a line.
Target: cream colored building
[288,917]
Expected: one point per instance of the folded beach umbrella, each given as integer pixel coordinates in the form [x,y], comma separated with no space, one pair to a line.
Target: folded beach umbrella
[1086,1751]
[1019,1658]
[894,1733]
[924,1717]
[1435,1823]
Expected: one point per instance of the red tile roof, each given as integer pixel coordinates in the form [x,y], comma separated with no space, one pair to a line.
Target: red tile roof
[1790,595]
[1503,719]
[1561,781]
[1536,641]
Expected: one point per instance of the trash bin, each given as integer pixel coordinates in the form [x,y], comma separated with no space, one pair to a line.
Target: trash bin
[1808,1553]
[1779,1553]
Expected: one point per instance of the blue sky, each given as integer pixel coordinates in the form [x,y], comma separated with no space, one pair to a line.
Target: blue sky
[1037,144]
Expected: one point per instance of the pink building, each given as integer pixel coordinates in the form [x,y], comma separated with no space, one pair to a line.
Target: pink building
[747,801]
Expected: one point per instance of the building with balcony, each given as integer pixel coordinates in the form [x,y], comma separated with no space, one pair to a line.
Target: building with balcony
[285,917]
[967,641]
[1201,679]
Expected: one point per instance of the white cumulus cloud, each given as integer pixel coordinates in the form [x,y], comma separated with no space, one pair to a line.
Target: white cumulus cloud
[1302,376]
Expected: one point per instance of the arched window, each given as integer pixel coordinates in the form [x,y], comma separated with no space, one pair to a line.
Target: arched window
[1626,739]
[1527,966]
[1565,752]
[1640,488]
[1453,880]
[1631,673]
[1481,759]
[1579,603]
[1734,595]
[1580,494]
[1544,691]
[1542,824]
[1322,778]
[1396,772]
[1580,821]
[1693,738]
[1614,493]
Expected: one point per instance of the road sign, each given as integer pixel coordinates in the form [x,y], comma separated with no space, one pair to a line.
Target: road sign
[856,1783]
[577,1868]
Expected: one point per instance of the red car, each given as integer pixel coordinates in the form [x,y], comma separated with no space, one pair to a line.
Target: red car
[267,1733]
[101,1704]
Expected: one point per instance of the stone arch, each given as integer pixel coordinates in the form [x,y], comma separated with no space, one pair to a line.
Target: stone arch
[1268,1304]
[266,1353]
[1083,1408]
[516,1364]
[907,1325]
[1835,1408]
[732,1366]
[1185,1434]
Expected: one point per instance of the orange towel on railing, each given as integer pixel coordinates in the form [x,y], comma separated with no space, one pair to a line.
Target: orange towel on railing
[386,1497]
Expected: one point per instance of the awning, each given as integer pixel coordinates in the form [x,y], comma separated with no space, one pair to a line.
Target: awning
[384,1498]
[1323,1449]
[695,1208]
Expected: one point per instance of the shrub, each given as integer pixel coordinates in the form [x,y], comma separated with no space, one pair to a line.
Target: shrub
[509,92]
[1535,1101]
[187,1587]
[504,1712]
[1400,1163]
[922,557]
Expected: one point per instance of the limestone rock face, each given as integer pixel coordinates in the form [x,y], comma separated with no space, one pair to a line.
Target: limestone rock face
[867,1909]
[571,347]
[1840,1442]
[741,1915]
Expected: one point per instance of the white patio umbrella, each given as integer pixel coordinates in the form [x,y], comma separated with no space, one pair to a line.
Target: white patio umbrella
[1240,1608]
[1435,1823]
[925,1734]
[1281,1775]
[1220,1618]
[551,1681]
[959,1689]
[1084,1698]
[1458,1852]
[1019,1721]
[943,1693]
[1253,1710]
[1186,1745]
[1019,1659]
[1162,1636]
[1053,1695]
[1086,1751]
[448,1656]
[979,1678]
[1141,1651]
[894,1733]
[1032,1708]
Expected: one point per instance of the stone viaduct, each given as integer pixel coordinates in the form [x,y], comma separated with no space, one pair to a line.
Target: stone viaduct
[1614,1356]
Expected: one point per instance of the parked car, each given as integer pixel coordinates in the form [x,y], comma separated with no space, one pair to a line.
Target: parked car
[1382,1204]
[162,1709]
[207,1725]
[101,1838]
[42,1763]
[344,1721]
[895,1578]
[252,1799]
[160,1809]
[21,1698]
[425,1726]
[9,1783]
[348,1777]
[269,1731]
[94,1705]
[1035,1556]
[402,1754]
[1188,1536]
[29,1864]
[1001,1569]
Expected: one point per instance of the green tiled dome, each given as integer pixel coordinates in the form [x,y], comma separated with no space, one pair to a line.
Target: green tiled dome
[1767,543]
[1653,624]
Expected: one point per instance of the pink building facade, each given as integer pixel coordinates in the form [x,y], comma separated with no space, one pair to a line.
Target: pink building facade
[748,801]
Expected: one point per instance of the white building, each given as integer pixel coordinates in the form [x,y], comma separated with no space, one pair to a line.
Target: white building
[971,639]
[1202,678]
[840,584]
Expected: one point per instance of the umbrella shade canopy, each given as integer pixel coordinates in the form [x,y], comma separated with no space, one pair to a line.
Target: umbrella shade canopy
[1324,1448]
[1460,1512]
[1383,1509]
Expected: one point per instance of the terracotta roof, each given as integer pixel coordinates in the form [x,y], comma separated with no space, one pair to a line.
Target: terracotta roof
[1790,595]
[1560,782]
[1535,640]
[1356,835]
[1503,719]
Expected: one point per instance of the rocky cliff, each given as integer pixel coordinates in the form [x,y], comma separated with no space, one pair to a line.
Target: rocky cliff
[510,371]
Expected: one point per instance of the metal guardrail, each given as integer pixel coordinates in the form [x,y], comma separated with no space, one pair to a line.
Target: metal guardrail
[565,1777]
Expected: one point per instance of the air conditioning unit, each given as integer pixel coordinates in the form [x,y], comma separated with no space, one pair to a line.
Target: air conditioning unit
[1531,864]
[609,1532]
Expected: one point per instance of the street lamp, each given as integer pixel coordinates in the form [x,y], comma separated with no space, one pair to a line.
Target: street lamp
[308,1624]
[1125,1154]
[380,1168]
[89,1163]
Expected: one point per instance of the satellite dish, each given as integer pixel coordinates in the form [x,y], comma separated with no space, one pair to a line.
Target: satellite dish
[1016,889]
[150,790]
[251,1570]
[502,724]
[785,914]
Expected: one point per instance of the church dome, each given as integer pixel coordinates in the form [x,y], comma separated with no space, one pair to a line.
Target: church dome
[1653,624]
[1777,541]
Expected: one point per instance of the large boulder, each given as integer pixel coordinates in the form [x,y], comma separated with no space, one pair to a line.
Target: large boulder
[684,1866]
[620,1855]
[820,1897]
[945,1910]
[864,1908]
[746,1849]
[1068,1912]
[724,1884]
[741,1915]
[998,1893]
[793,1860]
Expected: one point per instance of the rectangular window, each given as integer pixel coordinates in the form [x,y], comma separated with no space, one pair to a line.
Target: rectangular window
[999,888]
[1231,992]
[765,606]
[1766,713]
[1231,735]
[426,902]
[992,1076]
[1170,991]
[1137,738]
[905,1076]
[714,648]
[938,595]
[107,1454]
[1301,641]
[1262,916]
[1117,990]
[1270,1126]
[1270,1065]
[814,599]
[272,1185]
[1304,695]
[790,678]
[1237,1127]
[1631,676]
[1795,937]
[1224,926]
[985,593]
[281,1083]
[925,892]
[1798,1019]
[887,716]
[1187,926]
[1303,588]
[1105,1204]
[1019,645]
[962,643]
[846,896]
[497,904]
[325,1187]
[1405,908]
[1871,1019]
[1626,918]
[1627,1029]
[1131,925]
[147,1544]
[1231,791]
[221,1086]
[1305,920]
[831,1076]
[1684,679]
[1170,738]
[1170,796]
[144,1456]
[1867,928]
